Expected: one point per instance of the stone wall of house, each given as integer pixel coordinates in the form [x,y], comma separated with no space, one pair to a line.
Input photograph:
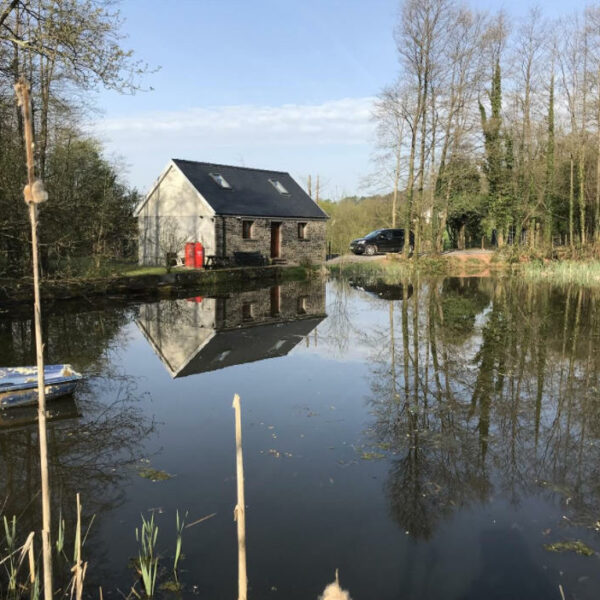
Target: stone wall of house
[287,302]
[230,238]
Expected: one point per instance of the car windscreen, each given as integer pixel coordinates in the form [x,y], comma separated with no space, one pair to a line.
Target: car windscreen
[373,234]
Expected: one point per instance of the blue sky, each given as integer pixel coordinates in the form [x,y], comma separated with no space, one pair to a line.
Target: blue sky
[276,84]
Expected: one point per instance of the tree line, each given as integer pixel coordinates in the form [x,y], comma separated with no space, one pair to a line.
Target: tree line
[64,48]
[478,388]
[491,132]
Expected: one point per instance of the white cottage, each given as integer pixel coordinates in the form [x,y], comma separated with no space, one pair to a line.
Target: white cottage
[232,211]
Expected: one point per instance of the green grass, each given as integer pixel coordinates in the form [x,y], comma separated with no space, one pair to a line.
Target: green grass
[390,271]
[565,272]
[141,271]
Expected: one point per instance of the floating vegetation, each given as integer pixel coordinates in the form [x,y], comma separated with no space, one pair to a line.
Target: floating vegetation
[576,546]
[372,455]
[154,474]
[170,586]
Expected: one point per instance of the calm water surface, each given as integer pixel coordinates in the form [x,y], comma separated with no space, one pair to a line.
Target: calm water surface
[427,439]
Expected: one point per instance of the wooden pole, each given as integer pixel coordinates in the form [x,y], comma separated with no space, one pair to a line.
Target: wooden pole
[239,513]
[34,193]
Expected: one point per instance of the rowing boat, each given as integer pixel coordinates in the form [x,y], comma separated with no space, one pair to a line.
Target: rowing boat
[19,385]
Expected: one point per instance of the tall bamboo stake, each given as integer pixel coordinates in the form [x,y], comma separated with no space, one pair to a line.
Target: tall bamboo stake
[34,194]
[239,513]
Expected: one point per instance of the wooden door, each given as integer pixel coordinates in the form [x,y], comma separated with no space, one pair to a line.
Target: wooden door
[275,240]
[275,300]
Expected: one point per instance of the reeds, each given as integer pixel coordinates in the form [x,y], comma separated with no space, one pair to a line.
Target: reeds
[239,513]
[564,272]
[34,194]
[147,537]
[180,526]
[389,271]
[16,556]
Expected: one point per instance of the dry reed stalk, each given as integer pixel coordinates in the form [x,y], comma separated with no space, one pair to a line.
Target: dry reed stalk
[239,513]
[34,193]
[334,591]
[200,520]
[79,568]
[31,557]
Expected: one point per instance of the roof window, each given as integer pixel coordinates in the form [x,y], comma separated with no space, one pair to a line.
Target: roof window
[220,180]
[278,186]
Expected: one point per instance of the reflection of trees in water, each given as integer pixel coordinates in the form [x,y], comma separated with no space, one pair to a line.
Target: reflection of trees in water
[89,454]
[480,386]
[339,325]
[80,335]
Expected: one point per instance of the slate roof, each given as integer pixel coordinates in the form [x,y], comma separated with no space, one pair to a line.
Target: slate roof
[250,344]
[251,192]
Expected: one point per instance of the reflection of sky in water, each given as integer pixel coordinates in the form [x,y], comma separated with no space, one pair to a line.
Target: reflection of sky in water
[431,519]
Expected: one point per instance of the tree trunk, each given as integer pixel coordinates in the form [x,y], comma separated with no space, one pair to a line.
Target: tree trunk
[571,202]
[461,236]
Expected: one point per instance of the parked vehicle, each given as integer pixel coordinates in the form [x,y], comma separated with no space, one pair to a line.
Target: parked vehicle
[18,385]
[382,240]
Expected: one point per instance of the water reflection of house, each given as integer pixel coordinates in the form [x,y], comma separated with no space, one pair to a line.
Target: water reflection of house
[204,334]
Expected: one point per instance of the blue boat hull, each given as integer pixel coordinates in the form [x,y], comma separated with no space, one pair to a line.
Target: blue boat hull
[18,386]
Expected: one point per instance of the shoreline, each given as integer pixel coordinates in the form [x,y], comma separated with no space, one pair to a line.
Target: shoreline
[150,285]
[471,263]
[157,283]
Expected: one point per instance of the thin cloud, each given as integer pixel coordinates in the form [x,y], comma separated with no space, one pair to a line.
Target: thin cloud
[331,139]
[336,121]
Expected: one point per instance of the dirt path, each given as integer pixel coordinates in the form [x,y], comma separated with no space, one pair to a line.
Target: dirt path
[483,256]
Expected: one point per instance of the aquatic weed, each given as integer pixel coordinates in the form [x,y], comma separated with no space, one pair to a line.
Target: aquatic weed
[148,561]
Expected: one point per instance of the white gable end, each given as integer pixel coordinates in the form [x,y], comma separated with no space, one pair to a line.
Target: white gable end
[172,214]
[174,196]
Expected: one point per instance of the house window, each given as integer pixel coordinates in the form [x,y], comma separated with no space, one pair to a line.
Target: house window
[302,231]
[278,186]
[248,230]
[220,180]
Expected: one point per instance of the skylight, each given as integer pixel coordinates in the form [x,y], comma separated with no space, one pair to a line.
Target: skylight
[220,180]
[278,186]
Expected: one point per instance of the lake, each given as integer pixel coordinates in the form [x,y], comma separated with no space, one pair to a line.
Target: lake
[432,439]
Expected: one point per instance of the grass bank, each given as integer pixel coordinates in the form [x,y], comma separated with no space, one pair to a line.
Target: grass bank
[561,272]
[387,270]
[153,282]
[396,268]
[585,272]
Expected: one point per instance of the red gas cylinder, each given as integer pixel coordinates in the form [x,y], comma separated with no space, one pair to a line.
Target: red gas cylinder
[189,254]
[198,255]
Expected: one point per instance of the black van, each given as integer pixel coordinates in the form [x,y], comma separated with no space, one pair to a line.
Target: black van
[382,240]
